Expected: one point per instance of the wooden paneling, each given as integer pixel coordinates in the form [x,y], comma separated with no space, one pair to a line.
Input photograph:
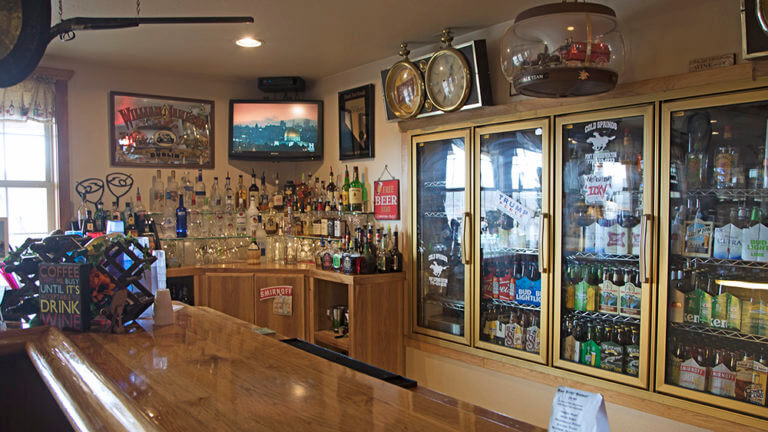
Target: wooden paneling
[289,326]
[376,319]
[231,293]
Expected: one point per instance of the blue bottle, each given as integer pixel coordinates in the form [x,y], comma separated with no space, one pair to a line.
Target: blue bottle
[181,218]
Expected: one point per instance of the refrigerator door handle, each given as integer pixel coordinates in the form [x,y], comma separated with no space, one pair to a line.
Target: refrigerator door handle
[466,237]
[543,243]
[644,267]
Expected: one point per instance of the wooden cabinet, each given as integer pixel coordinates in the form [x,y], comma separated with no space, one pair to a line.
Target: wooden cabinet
[375,302]
[287,325]
[375,316]
[232,294]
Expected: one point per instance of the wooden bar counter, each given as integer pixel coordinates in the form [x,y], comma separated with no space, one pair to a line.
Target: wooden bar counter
[209,371]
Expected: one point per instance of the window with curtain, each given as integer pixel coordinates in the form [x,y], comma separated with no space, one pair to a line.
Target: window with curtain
[27,175]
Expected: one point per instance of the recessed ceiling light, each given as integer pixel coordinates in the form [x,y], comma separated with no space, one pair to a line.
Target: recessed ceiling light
[248,42]
[570,28]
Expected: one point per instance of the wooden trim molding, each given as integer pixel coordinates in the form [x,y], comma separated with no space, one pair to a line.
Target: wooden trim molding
[63,184]
[54,73]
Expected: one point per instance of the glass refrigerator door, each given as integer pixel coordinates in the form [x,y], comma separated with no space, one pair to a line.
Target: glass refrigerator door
[442,246]
[512,275]
[713,299]
[602,286]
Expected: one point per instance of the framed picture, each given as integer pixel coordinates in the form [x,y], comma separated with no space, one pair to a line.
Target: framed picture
[3,238]
[356,123]
[157,131]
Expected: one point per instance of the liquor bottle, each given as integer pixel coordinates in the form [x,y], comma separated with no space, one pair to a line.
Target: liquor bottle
[89,224]
[301,193]
[188,189]
[127,211]
[330,189]
[364,194]
[397,256]
[289,193]
[157,194]
[278,247]
[338,253]
[252,216]
[215,199]
[319,253]
[229,195]
[327,257]
[345,190]
[261,236]
[181,219]
[200,198]
[100,217]
[317,194]
[381,253]
[347,265]
[253,192]
[242,193]
[263,195]
[141,214]
[241,221]
[172,189]
[277,195]
[356,192]
[724,161]
[695,163]
[130,223]
[369,255]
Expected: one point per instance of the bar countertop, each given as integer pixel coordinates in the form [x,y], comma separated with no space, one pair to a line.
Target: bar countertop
[209,371]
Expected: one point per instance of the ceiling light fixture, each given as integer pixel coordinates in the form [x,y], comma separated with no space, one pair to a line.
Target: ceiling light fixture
[248,42]
[563,49]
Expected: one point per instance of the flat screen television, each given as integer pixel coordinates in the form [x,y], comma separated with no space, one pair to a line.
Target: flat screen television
[275,130]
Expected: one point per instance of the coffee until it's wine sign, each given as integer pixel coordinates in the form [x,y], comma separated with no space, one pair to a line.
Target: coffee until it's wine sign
[64,295]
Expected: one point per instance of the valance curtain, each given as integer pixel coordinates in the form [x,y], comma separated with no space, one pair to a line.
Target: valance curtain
[31,99]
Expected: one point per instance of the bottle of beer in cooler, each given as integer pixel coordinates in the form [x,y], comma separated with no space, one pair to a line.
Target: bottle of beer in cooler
[721,379]
[724,160]
[593,289]
[590,352]
[632,351]
[532,337]
[675,357]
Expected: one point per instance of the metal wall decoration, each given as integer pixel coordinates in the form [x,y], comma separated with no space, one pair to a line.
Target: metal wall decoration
[158,131]
[754,28]
[356,123]
[119,185]
[479,91]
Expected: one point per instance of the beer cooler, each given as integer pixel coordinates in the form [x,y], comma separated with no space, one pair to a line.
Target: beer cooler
[441,174]
[603,244]
[713,275]
[511,275]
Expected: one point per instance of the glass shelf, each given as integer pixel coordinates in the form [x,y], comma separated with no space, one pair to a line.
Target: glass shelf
[601,257]
[204,238]
[714,331]
[605,316]
[696,261]
[507,303]
[446,302]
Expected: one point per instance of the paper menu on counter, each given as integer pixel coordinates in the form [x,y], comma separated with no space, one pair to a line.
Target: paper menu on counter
[575,410]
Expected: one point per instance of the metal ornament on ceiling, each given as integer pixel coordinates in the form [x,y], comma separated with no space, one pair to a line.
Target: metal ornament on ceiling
[562,50]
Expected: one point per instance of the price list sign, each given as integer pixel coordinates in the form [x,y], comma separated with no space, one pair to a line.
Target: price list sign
[64,295]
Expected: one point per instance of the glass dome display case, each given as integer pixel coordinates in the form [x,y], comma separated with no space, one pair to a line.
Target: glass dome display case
[563,49]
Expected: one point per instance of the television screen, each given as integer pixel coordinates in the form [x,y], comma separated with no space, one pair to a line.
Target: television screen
[274,130]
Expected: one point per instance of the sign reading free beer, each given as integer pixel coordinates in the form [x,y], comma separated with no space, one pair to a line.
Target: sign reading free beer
[386,199]
[64,295]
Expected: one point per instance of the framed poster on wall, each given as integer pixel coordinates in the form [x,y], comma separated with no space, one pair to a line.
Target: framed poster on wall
[356,123]
[157,131]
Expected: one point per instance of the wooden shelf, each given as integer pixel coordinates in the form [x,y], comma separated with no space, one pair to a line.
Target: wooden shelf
[327,337]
